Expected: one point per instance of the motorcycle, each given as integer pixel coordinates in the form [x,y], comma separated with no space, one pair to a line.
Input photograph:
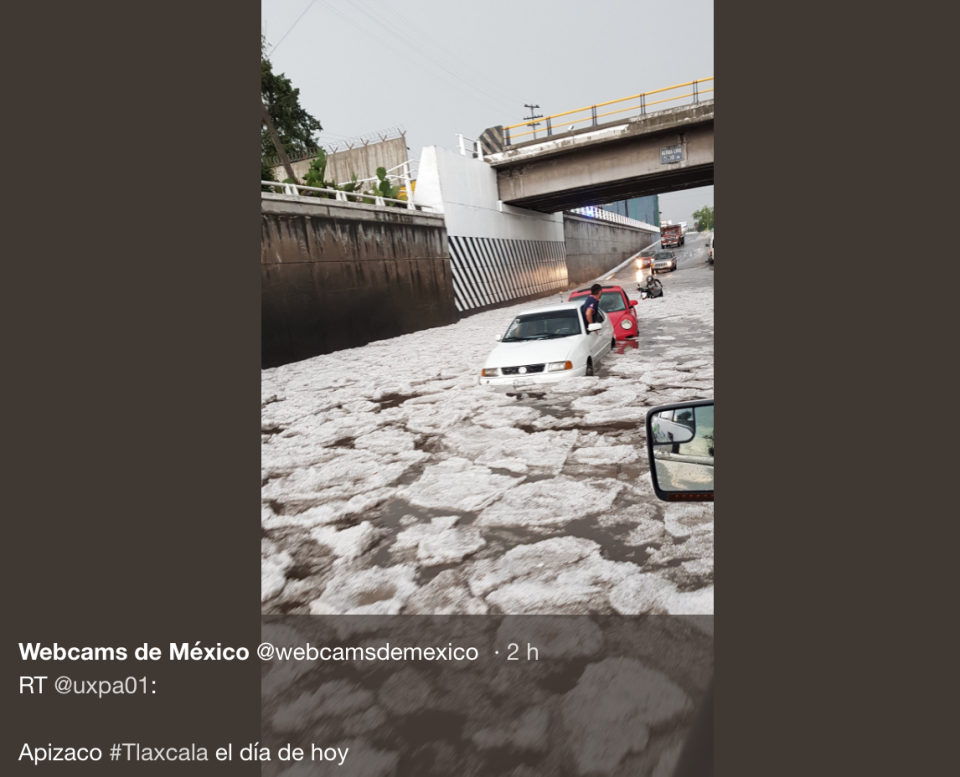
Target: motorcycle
[651,289]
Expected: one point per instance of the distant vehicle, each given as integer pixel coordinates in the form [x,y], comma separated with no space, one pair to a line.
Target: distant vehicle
[664,261]
[548,344]
[619,309]
[671,235]
[710,250]
[645,259]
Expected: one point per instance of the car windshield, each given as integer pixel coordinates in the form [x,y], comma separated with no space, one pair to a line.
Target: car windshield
[611,302]
[542,326]
[664,255]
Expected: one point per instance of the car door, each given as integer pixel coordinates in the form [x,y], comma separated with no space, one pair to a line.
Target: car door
[608,335]
[600,340]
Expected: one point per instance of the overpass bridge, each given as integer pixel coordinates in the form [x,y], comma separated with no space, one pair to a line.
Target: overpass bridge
[652,152]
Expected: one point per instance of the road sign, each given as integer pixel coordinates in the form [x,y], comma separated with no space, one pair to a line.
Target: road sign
[670,155]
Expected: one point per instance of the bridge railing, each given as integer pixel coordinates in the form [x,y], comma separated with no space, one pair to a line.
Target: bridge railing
[596,212]
[474,145]
[695,90]
[295,189]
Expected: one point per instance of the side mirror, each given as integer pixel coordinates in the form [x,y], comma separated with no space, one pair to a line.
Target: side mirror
[594,327]
[633,302]
[680,450]
[498,337]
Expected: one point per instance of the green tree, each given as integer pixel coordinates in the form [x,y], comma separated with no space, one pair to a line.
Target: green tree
[295,127]
[266,174]
[704,218]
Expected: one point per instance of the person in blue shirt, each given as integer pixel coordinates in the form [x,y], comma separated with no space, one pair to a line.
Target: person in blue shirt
[591,305]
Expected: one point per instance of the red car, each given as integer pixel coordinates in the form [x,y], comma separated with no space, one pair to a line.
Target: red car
[618,307]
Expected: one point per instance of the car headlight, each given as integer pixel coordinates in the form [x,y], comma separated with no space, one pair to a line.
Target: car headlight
[490,372]
[559,366]
[626,323]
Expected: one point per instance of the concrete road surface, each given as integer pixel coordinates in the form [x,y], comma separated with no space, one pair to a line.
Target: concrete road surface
[392,482]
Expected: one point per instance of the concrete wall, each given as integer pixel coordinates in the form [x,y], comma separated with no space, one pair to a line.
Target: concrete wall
[362,160]
[595,247]
[339,275]
[499,254]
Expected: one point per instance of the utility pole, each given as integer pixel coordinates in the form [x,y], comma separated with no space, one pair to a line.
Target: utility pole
[284,159]
[533,116]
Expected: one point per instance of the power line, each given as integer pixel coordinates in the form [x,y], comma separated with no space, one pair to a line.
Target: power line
[274,50]
[395,51]
[450,54]
[427,56]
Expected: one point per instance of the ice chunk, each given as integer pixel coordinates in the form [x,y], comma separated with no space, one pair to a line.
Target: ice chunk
[613,397]
[649,593]
[508,416]
[386,441]
[457,484]
[373,591]
[513,449]
[334,699]
[347,543]
[559,575]
[273,567]
[610,454]
[440,542]
[551,502]
[682,520]
[445,595]
[613,707]
[528,732]
[342,476]
[523,560]
[602,416]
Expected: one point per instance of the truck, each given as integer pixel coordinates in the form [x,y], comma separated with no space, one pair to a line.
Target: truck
[671,235]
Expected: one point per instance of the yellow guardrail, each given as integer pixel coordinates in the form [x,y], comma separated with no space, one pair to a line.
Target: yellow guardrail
[642,106]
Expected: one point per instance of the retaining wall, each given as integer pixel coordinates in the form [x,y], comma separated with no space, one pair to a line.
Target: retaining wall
[596,247]
[340,275]
[500,255]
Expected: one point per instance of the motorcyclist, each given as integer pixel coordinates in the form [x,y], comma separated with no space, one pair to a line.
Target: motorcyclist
[652,286]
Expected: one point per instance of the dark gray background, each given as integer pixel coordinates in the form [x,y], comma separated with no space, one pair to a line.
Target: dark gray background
[131,360]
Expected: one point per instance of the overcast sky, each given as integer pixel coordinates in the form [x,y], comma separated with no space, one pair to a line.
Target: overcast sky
[439,67]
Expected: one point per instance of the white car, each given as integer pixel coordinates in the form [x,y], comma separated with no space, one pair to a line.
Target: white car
[547,344]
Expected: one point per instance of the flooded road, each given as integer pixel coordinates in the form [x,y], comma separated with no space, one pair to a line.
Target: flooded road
[392,482]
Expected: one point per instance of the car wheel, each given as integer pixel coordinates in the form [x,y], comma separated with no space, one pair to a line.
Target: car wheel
[613,343]
[589,367]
